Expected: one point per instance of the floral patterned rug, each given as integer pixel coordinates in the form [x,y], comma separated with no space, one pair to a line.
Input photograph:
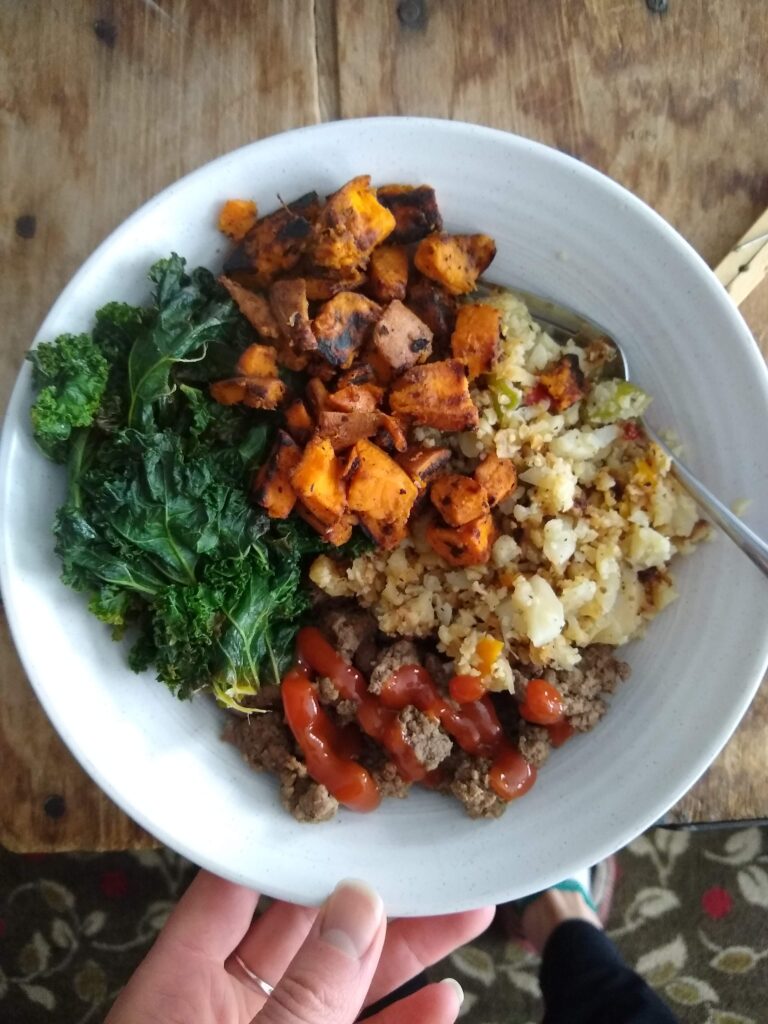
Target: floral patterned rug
[690,912]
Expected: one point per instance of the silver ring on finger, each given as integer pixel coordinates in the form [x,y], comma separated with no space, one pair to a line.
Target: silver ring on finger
[256,982]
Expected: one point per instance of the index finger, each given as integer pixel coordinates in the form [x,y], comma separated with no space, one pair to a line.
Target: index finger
[211,917]
[414,943]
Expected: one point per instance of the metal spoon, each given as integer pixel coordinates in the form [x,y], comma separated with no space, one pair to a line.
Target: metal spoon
[563,323]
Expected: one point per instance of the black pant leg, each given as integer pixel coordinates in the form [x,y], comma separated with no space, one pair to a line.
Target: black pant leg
[585,981]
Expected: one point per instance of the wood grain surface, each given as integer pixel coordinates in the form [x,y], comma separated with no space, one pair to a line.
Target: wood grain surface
[103,103]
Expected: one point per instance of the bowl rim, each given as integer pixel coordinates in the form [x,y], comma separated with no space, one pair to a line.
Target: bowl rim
[461,129]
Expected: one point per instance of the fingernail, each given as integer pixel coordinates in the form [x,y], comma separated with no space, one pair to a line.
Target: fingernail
[458,990]
[351,918]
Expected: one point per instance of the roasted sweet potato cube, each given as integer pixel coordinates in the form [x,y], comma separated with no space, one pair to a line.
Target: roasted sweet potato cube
[356,398]
[465,545]
[298,421]
[422,464]
[401,338]
[228,392]
[254,308]
[350,226]
[388,273]
[564,382]
[258,361]
[272,488]
[391,435]
[459,499]
[382,371]
[476,338]
[341,326]
[317,396]
[435,307]
[360,373]
[323,284]
[263,392]
[386,534]
[337,533]
[415,210]
[275,243]
[435,395]
[376,485]
[343,429]
[237,217]
[498,477]
[455,261]
[318,483]
[288,300]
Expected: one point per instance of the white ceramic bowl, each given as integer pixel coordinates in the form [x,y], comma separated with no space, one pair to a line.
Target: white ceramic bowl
[562,229]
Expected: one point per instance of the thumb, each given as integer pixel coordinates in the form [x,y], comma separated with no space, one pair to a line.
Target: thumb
[328,979]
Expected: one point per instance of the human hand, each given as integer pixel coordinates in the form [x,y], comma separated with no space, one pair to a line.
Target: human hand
[325,964]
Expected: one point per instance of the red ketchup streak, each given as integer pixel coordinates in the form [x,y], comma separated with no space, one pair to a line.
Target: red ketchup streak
[473,725]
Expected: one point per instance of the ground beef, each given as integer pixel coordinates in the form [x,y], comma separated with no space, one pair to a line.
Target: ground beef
[403,652]
[268,697]
[582,687]
[307,800]
[440,670]
[266,743]
[431,744]
[388,780]
[352,631]
[533,741]
[470,784]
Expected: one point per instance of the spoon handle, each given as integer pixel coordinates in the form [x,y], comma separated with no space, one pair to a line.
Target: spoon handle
[754,547]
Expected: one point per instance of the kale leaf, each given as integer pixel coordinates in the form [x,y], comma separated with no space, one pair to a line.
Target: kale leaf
[157,527]
[70,375]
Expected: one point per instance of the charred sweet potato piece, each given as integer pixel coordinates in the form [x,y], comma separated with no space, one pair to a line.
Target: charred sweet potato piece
[422,464]
[455,261]
[401,338]
[435,307]
[376,486]
[258,361]
[341,325]
[255,392]
[298,421]
[476,338]
[564,382]
[435,395]
[390,435]
[388,273]
[360,373]
[386,534]
[228,392]
[275,243]
[498,477]
[350,226]
[323,284]
[459,499]
[337,533]
[382,371]
[288,301]
[263,392]
[343,429]
[272,488]
[254,308]
[415,210]
[356,398]
[469,544]
[237,217]
[317,481]
[317,396]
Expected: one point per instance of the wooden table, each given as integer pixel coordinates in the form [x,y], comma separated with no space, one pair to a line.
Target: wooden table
[103,103]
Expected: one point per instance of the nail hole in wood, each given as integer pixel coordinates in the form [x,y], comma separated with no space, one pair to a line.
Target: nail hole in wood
[413,13]
[657,6]
[105,32]
[55,806]
[26,225]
